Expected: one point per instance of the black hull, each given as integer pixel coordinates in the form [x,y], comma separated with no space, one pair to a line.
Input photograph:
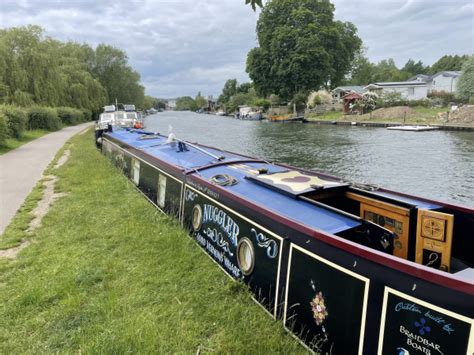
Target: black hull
[335,299]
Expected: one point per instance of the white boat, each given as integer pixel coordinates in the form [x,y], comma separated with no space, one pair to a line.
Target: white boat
[413,128]
[246,113]
[220,113]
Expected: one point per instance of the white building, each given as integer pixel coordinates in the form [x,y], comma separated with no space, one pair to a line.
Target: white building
[444,81]
[410,90]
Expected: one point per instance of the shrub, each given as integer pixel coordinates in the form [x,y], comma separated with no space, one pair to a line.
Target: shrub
[262,103]
[471,100]
[3,130]
[391,99]
[43,118]
[86,115]
[16,119]
[443,97]
[368,101]
[420,102]
[299,100]
[70,116]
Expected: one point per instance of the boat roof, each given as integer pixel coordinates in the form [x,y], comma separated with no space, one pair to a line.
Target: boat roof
[273,190]
[303,212]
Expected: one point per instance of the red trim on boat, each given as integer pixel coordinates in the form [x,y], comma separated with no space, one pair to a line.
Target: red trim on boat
[416,270]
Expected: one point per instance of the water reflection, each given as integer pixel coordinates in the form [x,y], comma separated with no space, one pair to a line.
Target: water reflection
[435,164]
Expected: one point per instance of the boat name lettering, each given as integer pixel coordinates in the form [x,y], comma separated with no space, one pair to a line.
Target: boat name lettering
[190,195]
[420,343]
[214,214]
[265,242]
[411,307]
[219,256]
[204,189]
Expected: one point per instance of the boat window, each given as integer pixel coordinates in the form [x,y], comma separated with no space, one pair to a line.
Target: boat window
[131,116]
[161,191]
[106,117]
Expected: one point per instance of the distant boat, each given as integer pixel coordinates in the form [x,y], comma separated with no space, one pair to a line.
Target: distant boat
[220,113]
[246,113]
[413,128]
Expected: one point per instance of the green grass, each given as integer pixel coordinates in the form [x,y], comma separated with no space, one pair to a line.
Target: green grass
[107,273]
[425,115]
[430,111]
[329,116]
[27,137]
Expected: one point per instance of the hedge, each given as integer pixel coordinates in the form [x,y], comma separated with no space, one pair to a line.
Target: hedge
[3,130]
[43,118]
[16,119]
[70,116]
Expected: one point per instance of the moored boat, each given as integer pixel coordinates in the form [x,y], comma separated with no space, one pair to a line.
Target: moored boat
[348,268]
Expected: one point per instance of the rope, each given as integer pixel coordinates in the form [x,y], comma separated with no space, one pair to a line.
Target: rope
[224,180]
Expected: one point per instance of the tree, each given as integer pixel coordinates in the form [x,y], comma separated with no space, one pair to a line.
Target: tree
[122,83]
[230,89]
[149,102]
[201,102]
[185,103]
[362,71]
[301,48]
[254,3]
[465,86]
[35,69]
[448,63]
[414,68]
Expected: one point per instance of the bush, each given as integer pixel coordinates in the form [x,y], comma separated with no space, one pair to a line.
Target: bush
[43,118]
[3,130]
[391,99]
[16,119]
[262,103]
[442,97]
[87,115]
[70,116]
[299,100]
[420,102]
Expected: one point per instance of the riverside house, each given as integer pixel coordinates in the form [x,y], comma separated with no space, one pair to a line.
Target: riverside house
[410,90]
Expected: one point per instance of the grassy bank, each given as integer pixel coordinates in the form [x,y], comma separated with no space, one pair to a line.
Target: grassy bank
[419,115]
[107,273]
[28,136]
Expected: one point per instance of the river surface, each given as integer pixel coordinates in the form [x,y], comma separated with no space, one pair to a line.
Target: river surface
[437,164]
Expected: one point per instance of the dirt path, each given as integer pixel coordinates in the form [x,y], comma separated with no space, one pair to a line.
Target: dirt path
[22,168]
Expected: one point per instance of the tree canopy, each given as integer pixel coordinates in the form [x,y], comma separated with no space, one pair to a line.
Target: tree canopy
[301,48]
[36,69]
[465,87]
[185,103]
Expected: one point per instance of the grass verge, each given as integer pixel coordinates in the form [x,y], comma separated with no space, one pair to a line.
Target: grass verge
[107,273]
[28,136]
[423,115]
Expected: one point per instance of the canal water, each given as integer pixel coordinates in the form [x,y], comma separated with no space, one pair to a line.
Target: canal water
[436,164]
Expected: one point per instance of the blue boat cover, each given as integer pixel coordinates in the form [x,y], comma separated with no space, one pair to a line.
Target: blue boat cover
[303,212]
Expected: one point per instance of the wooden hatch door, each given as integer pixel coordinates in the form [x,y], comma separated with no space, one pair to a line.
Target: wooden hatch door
[434,236]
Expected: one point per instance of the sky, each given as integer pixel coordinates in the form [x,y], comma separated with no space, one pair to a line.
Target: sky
[182,47]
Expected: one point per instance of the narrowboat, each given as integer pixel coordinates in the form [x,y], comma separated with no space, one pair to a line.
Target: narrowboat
[347,268]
